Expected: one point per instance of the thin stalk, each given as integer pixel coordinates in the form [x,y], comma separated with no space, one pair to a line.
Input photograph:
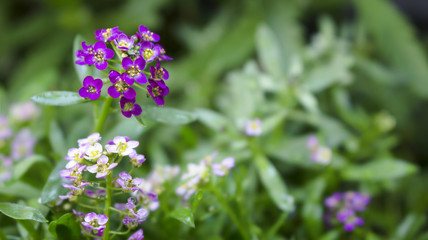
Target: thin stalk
[107,206]
[103,116]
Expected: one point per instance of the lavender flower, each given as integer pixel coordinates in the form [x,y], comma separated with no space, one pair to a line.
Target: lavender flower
[149,51]
[312,143]
[75,156]
[123,42]
[121,85]
[95,222]
[134,216]
[74,174]
[80,215]
[129,107]
[158,90]
[24,111]
[196,174]
[158,72]
[122,146]
[127,183]
[162,54]
[102,168]
[93,152]
[108,34]
[23,144]
[138,235]
[91,88]
[333,201]
[91,139]
[100,56]
[146,35]
[76,188]
[147,198]
[80,55]
[319,154]
[221,169]
[356,200]
[253,127]
[5,130]
[136,160]
[134,70]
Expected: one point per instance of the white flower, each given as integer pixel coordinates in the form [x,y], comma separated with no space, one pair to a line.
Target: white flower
[93,151]
[122,145]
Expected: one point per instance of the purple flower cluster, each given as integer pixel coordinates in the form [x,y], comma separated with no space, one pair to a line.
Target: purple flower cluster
[93,157]
[343,207]
[135,53]
[199,174]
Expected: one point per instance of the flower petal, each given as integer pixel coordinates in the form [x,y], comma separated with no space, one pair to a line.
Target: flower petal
[113,92]
[129,93]
[127,63]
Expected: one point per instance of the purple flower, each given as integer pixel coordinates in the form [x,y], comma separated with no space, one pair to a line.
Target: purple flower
[349,219]
[102,168]
[146,35]
[158,72]
[312,143]
[253,127]
[333,201]
[91,139]
[123,42]
[127,183]
[134,70]
[221,169]
[162,54]
[76,190]
[80,54]
[24,111]
[23,144]
[5,130]
[95,222]
[138,235]
[148,199]
[95,194]
[134,216]
[79,215]
[149,51]
[121,85]
[91,88]
[136,159]
[121,145]
[356,201]
[100,55]
[83,55]
[158,90]
[108,34]
[74,173]
[321,155]
[129,107]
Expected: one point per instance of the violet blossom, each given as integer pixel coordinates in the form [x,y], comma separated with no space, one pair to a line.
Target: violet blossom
[135,159]
[108,34]
[162,54]
[145,34]
[5,129]
[91,88]
[91,139]
[23,144]
[102,168]
[129,108]
[24,111]
[95,222]
[100,56]
[133,70]
[221,169]
[138,235]
[121,85]
[123,42]
[149,51]
[158,73]
[157,89]
[127,183]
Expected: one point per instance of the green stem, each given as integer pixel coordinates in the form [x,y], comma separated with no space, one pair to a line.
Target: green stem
[230,212]
[104,113]
[107,206]
[89,206]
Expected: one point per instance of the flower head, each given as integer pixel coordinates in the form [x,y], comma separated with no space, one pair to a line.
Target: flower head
[149,51]
[122,146]
[136,159]
[129,107]
[102,168]
[95,222]
[24,111]
[23,144]
[74,173]
[100,56]
[108,34]
[158,90]
[93,151]
[127,183]
[321,155]
[253,127]
[123,42]
[221,169]
[121,85]
[91,139]
[91,88]
[5,129]
[133,70]
[158,72]
[75,156]
[146,35]
[138,235]
[162,54]
[312,143]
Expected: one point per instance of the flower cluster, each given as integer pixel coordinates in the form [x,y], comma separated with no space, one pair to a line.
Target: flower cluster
[133,55]
[199,174]
[343,207]
[91,165]
[16,142]
[319,154]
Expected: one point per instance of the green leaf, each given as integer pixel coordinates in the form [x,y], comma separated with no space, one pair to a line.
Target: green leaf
[196,199]
[380,169]
[58,98]
[23,166]
[273,183]
[410,226]
[53,187]
[56,139]
[16,211]
[65,227]
[268,50]
[211,119]
[126,127]
[20,189]
[167,115]
[184,215]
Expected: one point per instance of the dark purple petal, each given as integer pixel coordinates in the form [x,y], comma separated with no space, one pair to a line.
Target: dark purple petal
[129,93]
[165,74]
[153,71]
[159,100]
[129,80]
[112,75]
[155,37]
[127,63]
[108,53]
[165,90]
[127,114]
[113,92]
[141,78]
[88,81]
[140,63]
[146,44]
[90,59]
[98,84]
[142,28]
[137,110]
[99,46]
[94,96]
[101,65]
[83,92]
[162,84]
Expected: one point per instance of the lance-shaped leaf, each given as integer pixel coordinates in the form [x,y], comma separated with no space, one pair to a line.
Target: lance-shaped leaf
[167,115]
[58,98]
[16,211]
[53,187]
[184,215]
